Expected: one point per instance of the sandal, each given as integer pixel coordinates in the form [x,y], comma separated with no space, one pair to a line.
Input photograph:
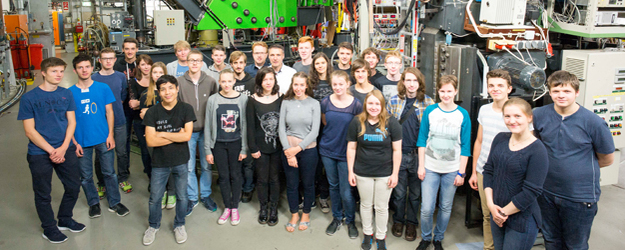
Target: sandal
[305,224]
[289,225]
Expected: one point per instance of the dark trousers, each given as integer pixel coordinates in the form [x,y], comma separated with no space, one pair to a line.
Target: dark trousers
[268,177]
[307,164]
[41,168]
[566,224]
[408,188]
[248,174]
[322,187]
[506,238]
[226,155]
[145,154]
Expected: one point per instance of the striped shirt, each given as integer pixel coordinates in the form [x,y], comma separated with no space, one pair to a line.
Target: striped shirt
[492,124]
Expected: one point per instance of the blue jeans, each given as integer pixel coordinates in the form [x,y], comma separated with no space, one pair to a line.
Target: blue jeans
[206,176]
[340,190]
[429,190]
[123,160]
[41,169]
[509,239]
[107,163]
[145,153]
[307,164]
[408,187]
[158,183]
[248,174]
[566,224]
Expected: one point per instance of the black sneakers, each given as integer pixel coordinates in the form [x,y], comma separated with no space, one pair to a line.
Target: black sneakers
[94,211]
[438,245]
[246,197]
[72,226]
[119,209]
[334,226]
[381,244]
[55,236]
[352,231]
[423,245]
[367,242]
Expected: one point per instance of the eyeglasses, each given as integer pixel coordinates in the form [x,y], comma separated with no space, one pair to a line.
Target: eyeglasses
[108,59]
[195,61]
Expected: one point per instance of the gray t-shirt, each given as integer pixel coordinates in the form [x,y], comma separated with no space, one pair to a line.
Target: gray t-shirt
[300,67]
[358,95]
[301,119]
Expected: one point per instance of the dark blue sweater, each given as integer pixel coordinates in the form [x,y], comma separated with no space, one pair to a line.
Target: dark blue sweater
[517,177]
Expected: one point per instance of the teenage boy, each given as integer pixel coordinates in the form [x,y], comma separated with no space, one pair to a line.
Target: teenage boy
[48,114]
[305,48]
[95,121]
[195,88]
[179,67]
[259,53]
[219,61]
[372,56]
[244,84]
[388,84]
[408,107]
[491,123]
[579,143]
[345,53]
[118,84]
[169,125]
[283,73]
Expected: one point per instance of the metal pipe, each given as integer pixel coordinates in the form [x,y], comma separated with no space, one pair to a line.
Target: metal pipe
[138,11]
[363,26]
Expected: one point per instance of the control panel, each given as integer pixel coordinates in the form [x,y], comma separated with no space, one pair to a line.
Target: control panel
[122,21]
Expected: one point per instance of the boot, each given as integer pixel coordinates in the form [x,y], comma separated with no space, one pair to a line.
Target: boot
[273,215]
[262,216]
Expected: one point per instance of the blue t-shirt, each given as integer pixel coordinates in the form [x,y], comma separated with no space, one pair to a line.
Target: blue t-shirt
[91,125]
[571,143]
[49,109]
[445,135]
[333,143]
[119,85]
[180,70]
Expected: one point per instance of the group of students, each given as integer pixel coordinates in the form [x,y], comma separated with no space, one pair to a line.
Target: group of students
[378,133]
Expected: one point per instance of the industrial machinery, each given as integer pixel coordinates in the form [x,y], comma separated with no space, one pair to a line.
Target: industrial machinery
[601,76]
[586,18]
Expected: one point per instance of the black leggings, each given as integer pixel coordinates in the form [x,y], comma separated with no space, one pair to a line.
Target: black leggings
[268,177]
[226,155]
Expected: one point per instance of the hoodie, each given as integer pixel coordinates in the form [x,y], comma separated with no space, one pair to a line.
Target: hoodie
[197,95]
[212,71]
[245,85]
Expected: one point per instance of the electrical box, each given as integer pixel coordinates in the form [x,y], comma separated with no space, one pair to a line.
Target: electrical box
[601,76]
[116,39]
[506,12]
[169,26]
[122,21]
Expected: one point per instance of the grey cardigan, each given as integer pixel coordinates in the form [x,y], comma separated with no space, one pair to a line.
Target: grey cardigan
[172,67]
[210,126]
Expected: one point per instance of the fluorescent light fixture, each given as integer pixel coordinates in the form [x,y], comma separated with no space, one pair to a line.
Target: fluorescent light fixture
[86,4]
[119,4]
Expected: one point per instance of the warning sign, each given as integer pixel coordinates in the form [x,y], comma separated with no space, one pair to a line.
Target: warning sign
[65,6]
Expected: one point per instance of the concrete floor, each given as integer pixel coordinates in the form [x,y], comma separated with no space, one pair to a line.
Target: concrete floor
[20,226]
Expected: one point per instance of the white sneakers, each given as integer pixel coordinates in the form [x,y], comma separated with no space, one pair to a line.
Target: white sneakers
[179,232]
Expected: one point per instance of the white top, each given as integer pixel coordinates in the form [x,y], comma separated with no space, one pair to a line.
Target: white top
[492,124]
[284,77]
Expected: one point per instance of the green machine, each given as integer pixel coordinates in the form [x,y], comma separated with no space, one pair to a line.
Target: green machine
[246,14]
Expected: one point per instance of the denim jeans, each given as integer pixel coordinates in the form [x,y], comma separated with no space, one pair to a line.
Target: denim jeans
[429,190]
[123,160]
[206,176]
[145,154]
[408,187]
[343,204]
[158,183]
[248,174]
[305,171]
[107,162]
[226,155]
[566,224]
[505,238]
[41,168]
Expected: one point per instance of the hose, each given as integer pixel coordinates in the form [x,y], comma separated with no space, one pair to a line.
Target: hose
[18,95]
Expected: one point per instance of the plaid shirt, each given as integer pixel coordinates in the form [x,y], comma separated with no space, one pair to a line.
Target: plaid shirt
[395,106]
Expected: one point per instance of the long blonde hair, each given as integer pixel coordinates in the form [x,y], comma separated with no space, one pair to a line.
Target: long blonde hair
[151,97]
[382,117]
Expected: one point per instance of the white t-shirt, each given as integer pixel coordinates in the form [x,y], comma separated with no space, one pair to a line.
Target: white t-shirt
[284,78]
[492,124]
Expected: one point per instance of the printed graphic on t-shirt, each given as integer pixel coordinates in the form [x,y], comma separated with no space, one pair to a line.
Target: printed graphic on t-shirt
[443,140]
[388,91]
[378,136]
[269,123]
[58,105]
[241,89]
[229,121]
[90,107]
[322,91]
[164,126]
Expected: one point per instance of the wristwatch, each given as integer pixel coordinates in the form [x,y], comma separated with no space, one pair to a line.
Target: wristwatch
[462,175]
